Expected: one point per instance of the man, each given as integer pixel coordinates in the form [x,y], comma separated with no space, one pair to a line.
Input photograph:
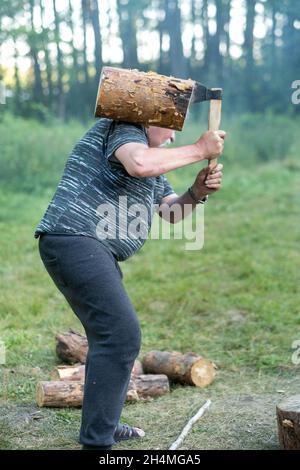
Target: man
[113,160]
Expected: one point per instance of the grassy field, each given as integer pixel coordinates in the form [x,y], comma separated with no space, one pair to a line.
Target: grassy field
[236,301]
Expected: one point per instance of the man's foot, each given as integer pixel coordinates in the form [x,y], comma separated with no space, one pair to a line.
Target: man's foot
[85,447]
[124,431]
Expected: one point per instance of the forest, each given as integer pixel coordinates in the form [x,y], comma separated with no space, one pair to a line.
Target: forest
[52,51]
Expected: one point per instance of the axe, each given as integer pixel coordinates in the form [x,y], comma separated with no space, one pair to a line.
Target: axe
[151,99]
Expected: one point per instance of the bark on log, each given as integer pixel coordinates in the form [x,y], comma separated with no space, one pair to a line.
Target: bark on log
[189,368]
[59,393]
[147,98]
[68,393]
[288,420]
[151,385]
[72,348]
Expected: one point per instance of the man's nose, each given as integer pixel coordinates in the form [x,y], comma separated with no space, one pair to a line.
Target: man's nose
[173,136]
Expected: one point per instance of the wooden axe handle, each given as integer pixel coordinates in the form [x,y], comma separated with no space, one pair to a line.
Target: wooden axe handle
[214,120]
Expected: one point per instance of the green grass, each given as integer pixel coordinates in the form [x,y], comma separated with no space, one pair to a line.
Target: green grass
[236,301]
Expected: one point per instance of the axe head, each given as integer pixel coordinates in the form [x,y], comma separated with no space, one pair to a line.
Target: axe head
[202,93]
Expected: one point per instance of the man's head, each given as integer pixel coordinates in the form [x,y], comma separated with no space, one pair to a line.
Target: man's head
[159,136]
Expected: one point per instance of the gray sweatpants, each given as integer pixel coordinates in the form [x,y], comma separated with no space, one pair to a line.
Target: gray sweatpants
[88,275]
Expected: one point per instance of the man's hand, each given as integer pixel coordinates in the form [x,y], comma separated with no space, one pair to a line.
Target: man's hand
[208,181]
[211,144]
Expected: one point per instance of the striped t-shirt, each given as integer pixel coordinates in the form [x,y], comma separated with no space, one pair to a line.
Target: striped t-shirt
[96,196]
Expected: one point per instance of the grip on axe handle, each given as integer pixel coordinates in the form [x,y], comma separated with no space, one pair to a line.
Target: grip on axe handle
[214,120]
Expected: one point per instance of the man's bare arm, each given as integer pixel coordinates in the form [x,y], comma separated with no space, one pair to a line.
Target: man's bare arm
[142,161]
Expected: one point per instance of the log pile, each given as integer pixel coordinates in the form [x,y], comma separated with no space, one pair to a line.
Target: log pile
[149,379]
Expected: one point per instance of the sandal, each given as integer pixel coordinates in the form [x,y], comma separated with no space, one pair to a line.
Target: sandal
[124,431]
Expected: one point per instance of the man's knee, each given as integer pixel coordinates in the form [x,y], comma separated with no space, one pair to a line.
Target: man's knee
[129,337]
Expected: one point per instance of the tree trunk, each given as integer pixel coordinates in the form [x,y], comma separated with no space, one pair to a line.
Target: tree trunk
[98,40]
[186,368]
[74,50]
[17,97]
[84,27]
[127,27]
[60,66]
[38,87]
[218,58]
[173,25]
[288,420]
[206,37]
[47,56]
[248,52]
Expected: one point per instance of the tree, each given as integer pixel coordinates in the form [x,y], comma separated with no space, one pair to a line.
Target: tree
[173,27]
[60,65]
[94,13]
[127,27]
[33,39]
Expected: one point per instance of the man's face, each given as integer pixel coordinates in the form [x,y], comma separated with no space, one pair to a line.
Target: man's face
[159,137]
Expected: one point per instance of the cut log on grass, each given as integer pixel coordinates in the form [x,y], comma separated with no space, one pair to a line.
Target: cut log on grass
[189,368]
[72,347]
[150,385]
[69,393]
[59,394]
[288,420]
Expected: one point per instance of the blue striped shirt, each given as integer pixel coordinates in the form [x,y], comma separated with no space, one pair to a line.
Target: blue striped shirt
[96,196]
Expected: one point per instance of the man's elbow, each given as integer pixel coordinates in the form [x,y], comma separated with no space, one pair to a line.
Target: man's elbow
[140,167]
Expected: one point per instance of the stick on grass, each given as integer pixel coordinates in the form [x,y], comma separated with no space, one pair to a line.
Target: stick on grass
[189,425]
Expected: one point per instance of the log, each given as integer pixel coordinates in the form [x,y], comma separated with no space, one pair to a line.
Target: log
[77,372]
[69,393]
[147,98]
[189,368]
[59,394]
[72,348]
[137,368]
[288,421]
[74,373]
[148,385]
